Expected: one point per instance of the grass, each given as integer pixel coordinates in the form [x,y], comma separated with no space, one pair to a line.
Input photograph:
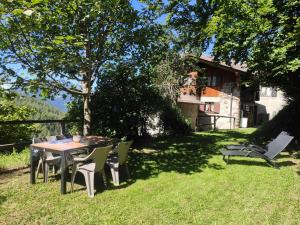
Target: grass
[14,160]
[176,181]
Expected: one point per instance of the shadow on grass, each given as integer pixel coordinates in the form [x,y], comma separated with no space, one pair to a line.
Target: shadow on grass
[187,154]
[260,163]
[98,182]
[2,199]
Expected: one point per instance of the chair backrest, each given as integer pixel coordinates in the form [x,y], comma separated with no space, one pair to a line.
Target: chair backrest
[278,145]
[122,149]
[38,140]
[51,138]
[60,137]
[281,133]
[99,156]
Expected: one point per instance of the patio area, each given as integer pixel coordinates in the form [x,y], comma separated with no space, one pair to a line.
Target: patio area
[178,180]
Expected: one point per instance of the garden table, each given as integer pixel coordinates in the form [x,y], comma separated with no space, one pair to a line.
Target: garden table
[64,148]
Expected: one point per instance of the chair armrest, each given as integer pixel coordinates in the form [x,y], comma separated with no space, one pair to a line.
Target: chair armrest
[78,159]
[257,149]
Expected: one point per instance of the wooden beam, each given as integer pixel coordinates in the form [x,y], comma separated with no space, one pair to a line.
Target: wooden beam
[12,122]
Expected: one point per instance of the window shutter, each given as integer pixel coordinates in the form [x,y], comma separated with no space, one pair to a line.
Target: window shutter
[216,107]
[202,107]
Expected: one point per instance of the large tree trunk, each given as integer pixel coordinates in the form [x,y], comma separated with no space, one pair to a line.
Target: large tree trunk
[87,115]
[86,88]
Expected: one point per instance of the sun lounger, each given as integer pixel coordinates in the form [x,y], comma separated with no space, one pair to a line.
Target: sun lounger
[274,148]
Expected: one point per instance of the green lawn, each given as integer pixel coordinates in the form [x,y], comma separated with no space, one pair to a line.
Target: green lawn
[176,181]
[14,160]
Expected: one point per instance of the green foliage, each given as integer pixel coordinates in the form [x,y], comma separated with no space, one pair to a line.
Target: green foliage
[169,75]
[74,130]
[263,34]
[42,111]
[188,21]
[123,102]
[14,106]
[173,121]
[58,42]
[66,45]
[14,133]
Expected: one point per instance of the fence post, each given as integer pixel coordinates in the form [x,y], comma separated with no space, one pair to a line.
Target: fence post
[62,128]
[233,122]
[214,122]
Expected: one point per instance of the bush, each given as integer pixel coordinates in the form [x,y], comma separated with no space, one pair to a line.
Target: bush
[173,121]
[15,133]
[124,102]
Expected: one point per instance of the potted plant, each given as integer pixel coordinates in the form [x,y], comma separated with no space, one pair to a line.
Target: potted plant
[74,131]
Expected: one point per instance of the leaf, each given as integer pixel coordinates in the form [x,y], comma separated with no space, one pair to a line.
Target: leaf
[17,12]
[34,2]
[58,42]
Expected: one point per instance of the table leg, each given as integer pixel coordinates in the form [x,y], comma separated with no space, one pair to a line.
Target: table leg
[63,168]
[45,172]
[32,168]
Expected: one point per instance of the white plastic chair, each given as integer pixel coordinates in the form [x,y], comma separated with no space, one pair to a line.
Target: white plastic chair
[46,157]
[89,165]
[115,162]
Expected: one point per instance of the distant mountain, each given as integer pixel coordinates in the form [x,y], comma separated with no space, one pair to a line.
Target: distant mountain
[59,103]
[43,110]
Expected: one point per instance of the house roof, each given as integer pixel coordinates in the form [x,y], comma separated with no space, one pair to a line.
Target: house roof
[236,67]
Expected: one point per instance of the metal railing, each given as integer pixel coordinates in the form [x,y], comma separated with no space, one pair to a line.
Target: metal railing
[11,146]
[215,118]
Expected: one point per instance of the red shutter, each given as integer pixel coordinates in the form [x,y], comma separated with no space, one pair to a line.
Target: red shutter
[202,107]
[216,107]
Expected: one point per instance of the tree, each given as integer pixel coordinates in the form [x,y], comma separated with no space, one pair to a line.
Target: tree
[126,110]
[262,33]
[65,45]
[9,111]
[170,74]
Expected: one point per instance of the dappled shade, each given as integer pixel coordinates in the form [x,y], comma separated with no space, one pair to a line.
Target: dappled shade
[188,154]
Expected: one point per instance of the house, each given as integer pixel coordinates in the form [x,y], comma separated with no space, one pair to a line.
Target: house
[224,101]
[271,101]
[218,104]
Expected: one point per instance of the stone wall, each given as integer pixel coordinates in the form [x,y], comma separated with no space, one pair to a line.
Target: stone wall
[270,105]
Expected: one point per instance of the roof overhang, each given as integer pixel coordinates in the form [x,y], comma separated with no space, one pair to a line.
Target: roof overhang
[240,68]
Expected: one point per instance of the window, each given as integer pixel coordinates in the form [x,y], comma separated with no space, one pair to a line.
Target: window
[268,92]
[210,107]
[213,80]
